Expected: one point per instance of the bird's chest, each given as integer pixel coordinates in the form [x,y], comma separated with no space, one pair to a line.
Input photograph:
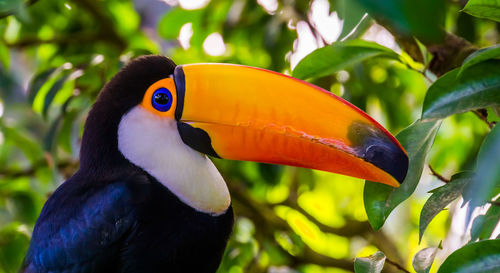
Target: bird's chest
[170,236]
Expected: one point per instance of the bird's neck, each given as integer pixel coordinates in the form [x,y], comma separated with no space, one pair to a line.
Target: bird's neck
[100,159]
[190,175]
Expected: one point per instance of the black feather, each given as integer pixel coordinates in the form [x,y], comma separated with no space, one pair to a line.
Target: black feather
[111,216]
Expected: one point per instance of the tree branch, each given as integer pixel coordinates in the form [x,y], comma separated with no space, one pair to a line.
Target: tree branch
[483,115]
[436,174]
[61,166]
[398,266]
[494,203]
[447,55]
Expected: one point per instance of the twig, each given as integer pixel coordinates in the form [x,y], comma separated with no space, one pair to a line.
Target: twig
[495,203]
[398,266]
[440,177]
[483,115]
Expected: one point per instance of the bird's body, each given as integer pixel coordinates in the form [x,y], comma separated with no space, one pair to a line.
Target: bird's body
[148,199]
[140,227]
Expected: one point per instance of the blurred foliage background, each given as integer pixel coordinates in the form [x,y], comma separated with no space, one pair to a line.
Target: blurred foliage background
[415,66]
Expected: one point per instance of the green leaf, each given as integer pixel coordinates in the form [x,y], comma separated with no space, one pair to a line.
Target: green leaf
[51,94]
[381,199]
[483,256]
[4,56]
[422,261]
[14,240]
[441,197]
[406,17]
[489,9]
[337,56]
[479,56]
[20,139]
[486,183]
[170,25]
[476,88]
[37,82]
[371,264]
[484,225]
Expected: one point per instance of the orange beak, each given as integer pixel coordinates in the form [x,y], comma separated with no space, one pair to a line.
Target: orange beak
[245,113]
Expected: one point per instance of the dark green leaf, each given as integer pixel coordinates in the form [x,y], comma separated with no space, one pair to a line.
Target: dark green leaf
[489,9]
[476,88]
[483,256]
[381,199]
[52,134]
[23,206]
[479,56]
[422,261]
[484,225]
[487,180]
[15,7]
[66,134]
[37,82]
[271,173]
[371,264]
[406,17]
[441,197]
[352,14]
[337,56]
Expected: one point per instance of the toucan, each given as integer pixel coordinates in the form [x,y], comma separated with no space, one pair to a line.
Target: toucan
[147,198]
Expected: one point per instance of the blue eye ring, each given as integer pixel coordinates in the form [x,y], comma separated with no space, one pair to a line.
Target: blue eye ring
[162,99]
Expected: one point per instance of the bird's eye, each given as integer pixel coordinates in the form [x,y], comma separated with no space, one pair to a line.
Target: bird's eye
[162,99]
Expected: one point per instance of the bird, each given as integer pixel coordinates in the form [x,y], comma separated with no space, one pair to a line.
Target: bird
[148,198]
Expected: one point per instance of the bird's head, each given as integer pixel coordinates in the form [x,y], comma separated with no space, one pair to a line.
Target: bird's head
[165,118]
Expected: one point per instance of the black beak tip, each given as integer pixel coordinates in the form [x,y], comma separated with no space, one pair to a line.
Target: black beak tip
[389,157]
[376,147]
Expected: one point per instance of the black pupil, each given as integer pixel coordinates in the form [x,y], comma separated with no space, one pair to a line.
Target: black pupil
[161,98]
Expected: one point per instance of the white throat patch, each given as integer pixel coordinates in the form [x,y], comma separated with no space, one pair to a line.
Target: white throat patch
[154,144]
